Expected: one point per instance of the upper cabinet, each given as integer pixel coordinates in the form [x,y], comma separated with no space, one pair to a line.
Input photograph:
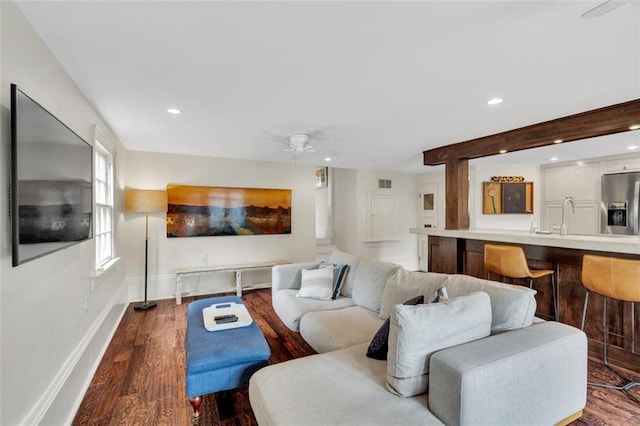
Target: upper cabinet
[621,165]
[582,182]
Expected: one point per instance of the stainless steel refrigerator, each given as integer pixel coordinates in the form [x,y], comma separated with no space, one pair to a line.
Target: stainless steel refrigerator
[619,206]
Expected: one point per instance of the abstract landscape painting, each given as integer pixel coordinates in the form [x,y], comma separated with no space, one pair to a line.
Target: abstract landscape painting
[202,211]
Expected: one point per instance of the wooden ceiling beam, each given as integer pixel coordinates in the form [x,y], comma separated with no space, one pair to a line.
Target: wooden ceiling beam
[598,122]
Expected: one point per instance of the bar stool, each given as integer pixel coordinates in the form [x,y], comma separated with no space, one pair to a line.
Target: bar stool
[509,261]
[612,278]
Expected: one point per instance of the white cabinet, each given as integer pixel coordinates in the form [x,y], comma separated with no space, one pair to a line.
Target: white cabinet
[582,182]
[585,220]
[622,165]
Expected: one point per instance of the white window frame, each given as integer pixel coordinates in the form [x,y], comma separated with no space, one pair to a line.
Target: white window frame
[104,232]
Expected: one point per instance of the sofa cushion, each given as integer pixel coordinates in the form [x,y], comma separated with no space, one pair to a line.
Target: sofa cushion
[339,277]
[380,343]
[327,331]
[336,388]
[338,257]
[403,285]
[417,332]
[290,308]
[316,284]
[371,278]
[512,306]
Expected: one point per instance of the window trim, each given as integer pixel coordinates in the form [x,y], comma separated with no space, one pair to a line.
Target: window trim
[100,151]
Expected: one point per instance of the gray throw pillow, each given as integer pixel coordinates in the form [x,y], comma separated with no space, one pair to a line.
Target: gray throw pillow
[417,332]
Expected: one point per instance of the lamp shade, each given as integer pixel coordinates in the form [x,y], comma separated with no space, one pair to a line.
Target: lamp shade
[145,201]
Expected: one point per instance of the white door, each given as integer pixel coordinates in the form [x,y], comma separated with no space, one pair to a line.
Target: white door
[427,218]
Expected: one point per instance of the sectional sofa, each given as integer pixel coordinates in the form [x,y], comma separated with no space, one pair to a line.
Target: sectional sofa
[478,357]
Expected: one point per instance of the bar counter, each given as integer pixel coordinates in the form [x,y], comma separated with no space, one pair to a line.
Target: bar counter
[462,252]
[611,243]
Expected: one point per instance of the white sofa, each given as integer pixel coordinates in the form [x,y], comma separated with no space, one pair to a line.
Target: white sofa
[525,371]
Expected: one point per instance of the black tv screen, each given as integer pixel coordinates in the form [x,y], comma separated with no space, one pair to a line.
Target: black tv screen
[51,175]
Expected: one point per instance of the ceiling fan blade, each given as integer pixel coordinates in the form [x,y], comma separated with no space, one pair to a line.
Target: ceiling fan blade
[603,8]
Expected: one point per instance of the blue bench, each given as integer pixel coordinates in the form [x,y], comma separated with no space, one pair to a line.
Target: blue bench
[220,360]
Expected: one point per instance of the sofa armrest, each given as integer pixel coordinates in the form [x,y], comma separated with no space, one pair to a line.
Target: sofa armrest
[288,276]
[536,374]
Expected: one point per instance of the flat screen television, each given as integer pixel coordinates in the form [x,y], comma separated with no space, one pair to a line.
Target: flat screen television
[51,175]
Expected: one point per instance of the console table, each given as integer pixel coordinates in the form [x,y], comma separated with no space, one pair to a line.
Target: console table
[236,269]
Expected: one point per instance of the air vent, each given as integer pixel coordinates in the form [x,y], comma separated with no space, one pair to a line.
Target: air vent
[384,183]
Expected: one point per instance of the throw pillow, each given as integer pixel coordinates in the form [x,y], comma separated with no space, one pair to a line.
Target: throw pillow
[316,284]
[380,343]
[440,295]
[338,257]
[339,277]
[417,332]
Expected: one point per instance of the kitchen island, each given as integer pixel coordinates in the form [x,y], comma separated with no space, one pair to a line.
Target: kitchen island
[462,252]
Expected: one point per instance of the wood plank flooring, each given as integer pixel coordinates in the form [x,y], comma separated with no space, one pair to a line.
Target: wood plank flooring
[140,380]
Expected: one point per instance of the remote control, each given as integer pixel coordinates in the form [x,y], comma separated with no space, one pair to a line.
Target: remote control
[221,317]
[227,319]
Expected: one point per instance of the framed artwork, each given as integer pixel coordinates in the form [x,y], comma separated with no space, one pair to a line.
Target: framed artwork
[491,198]
[205,211]
[322,177]
[507,197]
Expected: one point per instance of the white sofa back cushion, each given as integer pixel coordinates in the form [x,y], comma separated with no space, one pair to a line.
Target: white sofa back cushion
[403,285]
[370,281]
[512,306]
[417,332]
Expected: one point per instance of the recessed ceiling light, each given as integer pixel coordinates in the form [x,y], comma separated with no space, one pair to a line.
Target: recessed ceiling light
[502,151]
[632,147]
[494,101]
[558,141]
[580,163]
[327,159]
[553,159]
[174,111]
[634,127]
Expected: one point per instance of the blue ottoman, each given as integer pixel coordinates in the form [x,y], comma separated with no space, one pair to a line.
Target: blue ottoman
[220,360]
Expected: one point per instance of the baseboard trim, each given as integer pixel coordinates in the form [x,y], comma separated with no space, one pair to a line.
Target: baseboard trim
[40,409]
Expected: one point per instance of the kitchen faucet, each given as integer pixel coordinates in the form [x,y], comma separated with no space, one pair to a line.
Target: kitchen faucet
[567,200]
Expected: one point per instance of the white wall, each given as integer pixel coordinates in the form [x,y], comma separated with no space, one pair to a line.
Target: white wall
[49,343]
[350,191]
[155,170]
[482,172]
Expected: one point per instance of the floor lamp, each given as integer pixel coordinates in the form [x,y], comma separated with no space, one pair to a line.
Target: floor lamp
[145,201]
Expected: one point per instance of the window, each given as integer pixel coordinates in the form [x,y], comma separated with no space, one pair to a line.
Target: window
[103,181]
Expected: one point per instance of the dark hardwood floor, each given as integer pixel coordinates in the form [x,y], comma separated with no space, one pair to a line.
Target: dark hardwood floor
[141,377]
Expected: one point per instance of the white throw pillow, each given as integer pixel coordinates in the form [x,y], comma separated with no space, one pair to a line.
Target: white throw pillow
[316,284]
[419,331]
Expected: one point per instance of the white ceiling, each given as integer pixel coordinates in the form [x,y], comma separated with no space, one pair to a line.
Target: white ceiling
[380,81]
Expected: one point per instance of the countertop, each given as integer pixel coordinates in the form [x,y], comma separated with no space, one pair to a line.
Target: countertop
[608,243]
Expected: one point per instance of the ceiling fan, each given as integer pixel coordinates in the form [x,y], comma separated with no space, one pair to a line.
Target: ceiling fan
[299,142]
[603,8]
